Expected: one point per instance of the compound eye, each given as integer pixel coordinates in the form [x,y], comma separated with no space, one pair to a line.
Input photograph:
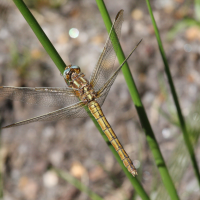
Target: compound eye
[74,67]
[66,74]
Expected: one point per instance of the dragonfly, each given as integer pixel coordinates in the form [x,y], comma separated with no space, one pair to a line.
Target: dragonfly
[80,92]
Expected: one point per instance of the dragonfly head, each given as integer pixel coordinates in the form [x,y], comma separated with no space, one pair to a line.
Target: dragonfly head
[69,70]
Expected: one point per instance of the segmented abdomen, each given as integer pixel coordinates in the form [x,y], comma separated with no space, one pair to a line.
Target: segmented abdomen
[96,111]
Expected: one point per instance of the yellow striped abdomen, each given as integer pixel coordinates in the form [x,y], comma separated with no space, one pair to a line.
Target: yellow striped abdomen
[96,111]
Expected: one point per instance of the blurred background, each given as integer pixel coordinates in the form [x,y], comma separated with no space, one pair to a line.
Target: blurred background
[77,31]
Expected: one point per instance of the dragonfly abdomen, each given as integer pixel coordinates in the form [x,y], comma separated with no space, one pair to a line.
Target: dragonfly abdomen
[96,111]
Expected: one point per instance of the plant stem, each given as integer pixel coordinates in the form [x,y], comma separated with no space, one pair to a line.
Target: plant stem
[175,97]
[61,66]
[141,112]
[40,35]
[197,10]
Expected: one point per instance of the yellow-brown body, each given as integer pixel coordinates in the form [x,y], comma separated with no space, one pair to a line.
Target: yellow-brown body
[96,111]
[86,94]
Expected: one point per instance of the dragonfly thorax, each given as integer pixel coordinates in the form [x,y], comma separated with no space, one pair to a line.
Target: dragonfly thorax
[76,80]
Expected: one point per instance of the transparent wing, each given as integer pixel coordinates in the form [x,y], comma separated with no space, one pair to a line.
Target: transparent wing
[105,65]
[102,93]
[73,111]
[40,95]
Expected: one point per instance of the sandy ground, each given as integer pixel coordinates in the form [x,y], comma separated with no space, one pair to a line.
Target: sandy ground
[75,145]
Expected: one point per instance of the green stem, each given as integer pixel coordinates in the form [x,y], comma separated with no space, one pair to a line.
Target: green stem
[197,10]
[175,97]
[61,65]
[40,35]
[141,112]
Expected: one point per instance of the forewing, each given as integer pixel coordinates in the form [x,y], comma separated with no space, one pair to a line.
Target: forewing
[40,95]
[105,65]
[73,111]
[103,91]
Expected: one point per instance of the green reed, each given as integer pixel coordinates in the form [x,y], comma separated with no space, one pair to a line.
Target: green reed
[175,97]
[150,137]
[179,160]
[61,66]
